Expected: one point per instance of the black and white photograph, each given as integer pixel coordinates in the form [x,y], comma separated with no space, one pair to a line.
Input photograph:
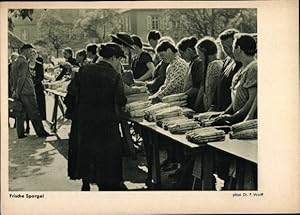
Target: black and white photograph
[134,100]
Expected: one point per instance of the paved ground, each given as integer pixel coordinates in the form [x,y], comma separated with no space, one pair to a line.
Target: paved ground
[40,164]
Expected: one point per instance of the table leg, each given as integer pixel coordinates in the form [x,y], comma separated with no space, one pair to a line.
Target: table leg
[240,172]
[54,114]
[156,162]
[149,154]
[208,168]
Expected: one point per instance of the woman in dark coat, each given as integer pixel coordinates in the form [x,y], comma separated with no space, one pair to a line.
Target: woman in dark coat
[37,72]
[95,141]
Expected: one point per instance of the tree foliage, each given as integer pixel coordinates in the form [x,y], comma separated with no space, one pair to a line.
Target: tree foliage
[96,25]
[18,13]
[208,22]
[53,31]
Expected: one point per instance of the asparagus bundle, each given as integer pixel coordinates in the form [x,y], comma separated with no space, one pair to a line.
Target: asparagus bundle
[181,103]
[137,105]
[154,109]
[204,135]
[168,112]
[250,124]
[183,126]
[175,97]
[164,122]
[244,134]
[137,97]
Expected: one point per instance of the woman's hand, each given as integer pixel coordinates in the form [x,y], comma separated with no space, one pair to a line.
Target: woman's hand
[225,117]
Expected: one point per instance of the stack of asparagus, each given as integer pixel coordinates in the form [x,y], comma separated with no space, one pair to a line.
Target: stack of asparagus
[136,109]
[182,126]
[204,135]
[167,112]
[140,95]
[244,130]
[179,99]
[164,123]
[207,115]
[153,109]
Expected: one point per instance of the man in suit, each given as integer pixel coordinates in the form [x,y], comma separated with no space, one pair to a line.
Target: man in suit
[23,90]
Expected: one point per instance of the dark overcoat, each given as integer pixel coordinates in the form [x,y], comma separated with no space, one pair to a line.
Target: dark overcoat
[95,141]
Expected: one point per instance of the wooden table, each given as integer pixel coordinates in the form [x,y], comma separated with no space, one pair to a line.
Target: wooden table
[58,96]
[245,154]
[245,149]
[150,133]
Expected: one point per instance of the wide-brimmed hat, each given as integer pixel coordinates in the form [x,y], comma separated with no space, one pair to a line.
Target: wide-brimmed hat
[123,38]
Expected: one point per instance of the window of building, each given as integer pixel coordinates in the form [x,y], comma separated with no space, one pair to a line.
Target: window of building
[126,24]
[153,22]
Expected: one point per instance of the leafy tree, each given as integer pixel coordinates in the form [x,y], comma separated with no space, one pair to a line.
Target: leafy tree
[53,31]
[96,25]
[208,22]
[18,13]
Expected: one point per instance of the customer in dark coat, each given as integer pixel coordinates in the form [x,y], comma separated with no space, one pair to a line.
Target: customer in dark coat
[95,142]
[37,72]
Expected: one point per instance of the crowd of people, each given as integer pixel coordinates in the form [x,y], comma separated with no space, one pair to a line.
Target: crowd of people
[97,92]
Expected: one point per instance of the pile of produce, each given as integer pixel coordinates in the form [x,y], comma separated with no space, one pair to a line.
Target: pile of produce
[142,96]
[167,112]
[153,109]
[182,126]
[164,123]
[244,130]
[136,109]
[179,99]
[204,135]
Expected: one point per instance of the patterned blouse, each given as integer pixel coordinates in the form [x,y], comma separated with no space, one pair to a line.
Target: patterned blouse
[244,79]
[175,77]
[213,72]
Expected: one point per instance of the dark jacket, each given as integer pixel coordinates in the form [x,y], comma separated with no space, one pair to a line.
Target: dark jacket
[22,81]
[222,98]
[158,78]
[95,143]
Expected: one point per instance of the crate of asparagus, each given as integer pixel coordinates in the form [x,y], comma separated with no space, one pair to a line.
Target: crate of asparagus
[205,135]
[244,130]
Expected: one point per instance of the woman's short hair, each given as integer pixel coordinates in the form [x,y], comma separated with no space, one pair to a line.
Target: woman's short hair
[110,49]
[92,48]
[166,38]
[81,53]
[207,45]
[137,41]
[165,45]
[187,42]
[69,51]
[229,33]
[246,42]
[154,35]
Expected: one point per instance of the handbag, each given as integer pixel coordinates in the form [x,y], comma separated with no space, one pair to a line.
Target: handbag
[15,107]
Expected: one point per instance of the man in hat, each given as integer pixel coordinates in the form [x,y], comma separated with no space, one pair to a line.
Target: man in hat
[23,90]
